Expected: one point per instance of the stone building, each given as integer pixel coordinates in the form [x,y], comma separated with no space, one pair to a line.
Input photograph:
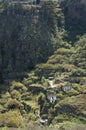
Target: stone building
[51,97]
[67,87]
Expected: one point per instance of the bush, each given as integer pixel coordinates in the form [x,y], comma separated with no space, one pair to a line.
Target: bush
[36,88]
[27,107]
[1,108]
[6,95]
[64,51]
[72,92]
[77,87]
[14,104]
[41,98]
[26,96]
[60,118]
[3,101]
[57,59]
[15,94]
[83,89]
[73,125]
[5,128]
[32,116]
[18,86]
[60,95]
[12,119]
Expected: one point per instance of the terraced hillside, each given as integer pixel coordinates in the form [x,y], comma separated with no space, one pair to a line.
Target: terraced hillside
[43,66]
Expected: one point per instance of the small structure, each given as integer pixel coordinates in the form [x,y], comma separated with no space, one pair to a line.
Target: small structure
[67,87]
[51,78]
[44,121]
[51,82]
[51,97]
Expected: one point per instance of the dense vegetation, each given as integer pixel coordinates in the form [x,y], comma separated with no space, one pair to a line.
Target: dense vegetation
[43,65]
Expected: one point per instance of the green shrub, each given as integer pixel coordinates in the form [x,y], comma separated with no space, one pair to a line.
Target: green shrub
[1,108]
[77,87]
[36,88]
[83,80]
[60,95]
[26,96]
[83,88]
[12,119]
[43,79]
[41,98]
[57,59]
[45,84]
[72,92]
[32,78]
[6,95]
[4,98]
[15,94]
[14,104]
[4,128]
[72,125]
[27,107]
[60,118]
[27,81]
[44,69]
[65,51]
[3,101]
[18,86]
[32,116]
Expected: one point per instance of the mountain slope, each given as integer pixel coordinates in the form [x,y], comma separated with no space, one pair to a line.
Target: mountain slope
[45,78]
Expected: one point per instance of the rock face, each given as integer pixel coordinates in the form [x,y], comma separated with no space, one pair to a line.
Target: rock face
[75,17]
[74,8]
[83,2]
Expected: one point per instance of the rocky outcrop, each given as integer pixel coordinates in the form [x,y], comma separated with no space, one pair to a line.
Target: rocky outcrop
[74,8]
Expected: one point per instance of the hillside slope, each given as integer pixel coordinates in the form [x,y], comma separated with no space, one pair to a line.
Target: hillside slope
[43,66]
